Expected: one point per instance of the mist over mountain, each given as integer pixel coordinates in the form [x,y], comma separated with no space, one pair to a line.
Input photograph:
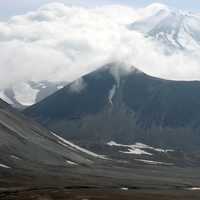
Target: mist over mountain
[100,103]
[60,43]
[26,94]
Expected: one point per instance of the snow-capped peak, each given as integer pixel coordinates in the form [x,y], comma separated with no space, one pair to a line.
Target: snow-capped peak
[172,29]
[156,7]
[150,16]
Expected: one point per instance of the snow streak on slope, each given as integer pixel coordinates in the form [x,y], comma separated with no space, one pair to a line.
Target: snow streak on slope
[138,148]
[70,162]
[4,97]
[4,166]
[151,162]
[112,94]
[64,142]
[194,188]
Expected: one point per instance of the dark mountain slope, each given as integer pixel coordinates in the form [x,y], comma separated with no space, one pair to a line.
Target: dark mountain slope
[74,104]
[37,164]
[163,103]
[134,108]
[26,145]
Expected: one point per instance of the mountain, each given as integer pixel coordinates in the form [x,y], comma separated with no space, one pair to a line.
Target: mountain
[38,164]
[28,93]
[174,29]
[113,104]
[27,149]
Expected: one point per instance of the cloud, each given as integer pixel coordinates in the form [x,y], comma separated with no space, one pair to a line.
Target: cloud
[78,85]
[61,43]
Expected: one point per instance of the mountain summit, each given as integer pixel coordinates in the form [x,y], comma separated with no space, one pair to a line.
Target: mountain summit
[124,106]
[174,29]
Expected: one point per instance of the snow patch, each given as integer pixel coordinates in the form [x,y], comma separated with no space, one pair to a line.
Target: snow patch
[137,152]
[138,148]
[124,188]
[151,162]
[68,144]
[112,143]
[15,157]
[194,188]
[112,94]
[5,166]
[132,149]
[70,162]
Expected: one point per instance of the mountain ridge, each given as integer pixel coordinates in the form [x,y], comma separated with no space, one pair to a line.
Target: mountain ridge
[174,29]
[139,109]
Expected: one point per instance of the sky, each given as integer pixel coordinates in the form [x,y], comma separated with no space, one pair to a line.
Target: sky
[14,7]
[60,42]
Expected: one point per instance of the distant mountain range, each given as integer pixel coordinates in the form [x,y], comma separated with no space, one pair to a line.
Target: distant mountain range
[173,29]
[126,107]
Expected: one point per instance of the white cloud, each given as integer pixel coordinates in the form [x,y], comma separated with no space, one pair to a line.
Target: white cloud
[78,85]
[58,42]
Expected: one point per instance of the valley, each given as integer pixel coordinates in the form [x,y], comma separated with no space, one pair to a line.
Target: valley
[99,102]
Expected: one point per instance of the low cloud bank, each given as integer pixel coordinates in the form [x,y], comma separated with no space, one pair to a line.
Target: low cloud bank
[61,43]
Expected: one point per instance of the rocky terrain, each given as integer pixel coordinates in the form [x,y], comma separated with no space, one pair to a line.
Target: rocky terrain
[37,164]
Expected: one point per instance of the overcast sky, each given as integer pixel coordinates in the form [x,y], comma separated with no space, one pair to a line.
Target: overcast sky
[13,7]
